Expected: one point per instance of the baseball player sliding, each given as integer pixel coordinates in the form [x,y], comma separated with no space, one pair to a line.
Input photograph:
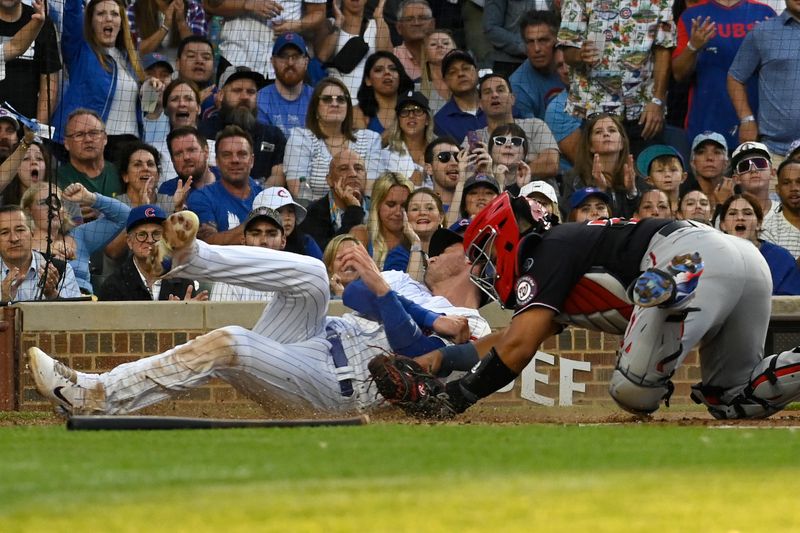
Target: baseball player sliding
[690,285]
[294,351]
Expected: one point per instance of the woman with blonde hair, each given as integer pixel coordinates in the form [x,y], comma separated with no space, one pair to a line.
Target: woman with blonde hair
[339,276]
[386,215]
[405,141]
[432,83]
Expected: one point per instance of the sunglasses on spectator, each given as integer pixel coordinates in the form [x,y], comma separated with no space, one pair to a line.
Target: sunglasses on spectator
[757,163]
[142,236]
[502,140]
[444,157]
[408,111]
[330,98]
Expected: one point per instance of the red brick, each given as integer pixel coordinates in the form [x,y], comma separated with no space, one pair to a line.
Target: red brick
[107,362]
[60,343]
[106,343]
[76,343]
[121,343]
[165,342]
[45,342]
[84,363]
[135,342]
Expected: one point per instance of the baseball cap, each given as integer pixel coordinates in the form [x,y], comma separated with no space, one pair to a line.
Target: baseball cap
[412,97]
[441,240]
[456,55]
[542,187]
[794,150]
[748,149]
[481,179]
[238,73]
[277,197]
[5,114]
[709,136]
[264,212]
[290,39]
[651,153]
[580,196]
[151,60]
[145,214]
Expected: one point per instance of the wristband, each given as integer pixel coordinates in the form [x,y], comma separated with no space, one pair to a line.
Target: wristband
[691,47]
[165,28]
[748,118]
[415,248]
[458,357]
[657,101]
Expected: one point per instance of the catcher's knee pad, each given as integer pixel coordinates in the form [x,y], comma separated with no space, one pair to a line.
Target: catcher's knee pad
[775,381]
[637,398]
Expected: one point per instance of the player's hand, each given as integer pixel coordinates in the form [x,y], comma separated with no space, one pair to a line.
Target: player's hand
[723,191]
[702,31]
[76,192]
[50,281]
[652,120]
[629,176]
[600,180]
[748,132]
[455,327]
[11,283]
[357,258]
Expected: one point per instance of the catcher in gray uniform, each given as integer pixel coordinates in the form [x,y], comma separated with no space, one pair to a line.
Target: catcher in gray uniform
[666,286]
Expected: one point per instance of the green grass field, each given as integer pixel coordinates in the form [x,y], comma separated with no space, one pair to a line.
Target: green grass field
[395,477]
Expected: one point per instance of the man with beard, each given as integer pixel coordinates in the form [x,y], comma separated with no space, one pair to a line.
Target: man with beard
[240,87]
[462,112]
[441,164]
[285,102]
[343,207]
[188,150]
[784,227]
[8,133]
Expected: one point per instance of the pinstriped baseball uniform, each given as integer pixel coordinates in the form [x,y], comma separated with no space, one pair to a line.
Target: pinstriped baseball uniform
[287,353]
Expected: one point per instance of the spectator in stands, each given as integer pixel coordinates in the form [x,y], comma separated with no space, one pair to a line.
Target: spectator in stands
[414,21]
[424,215]
[695,205]
[189,154]
[158,66]
[589,203]
[66,241]
[339,274]
[501,22]
[462,113]
[752,169]
[224,204]
[343,206]
[479,191]
[603,160]
[636,62]
[195,63]
[292,215]
[262,228]
[497,102]
[794,150]
[537,76]
[352,25]
[284,103]
[783,228]
[31,79]
[709,163]
[240,87]
[22,38]
[654,204]
[9,136]
[104,71]
[432,84]
[385,223]
[741,215]
[384,79]
[161,25]
[405,142]
[709,35]
[544,193]
[763,54]
[508,148]
[22,269]
[664,168]
[441,164]
[140,168]
[25,166]
[565,127]
[85,142]
[251,28]
[133,281]
[329,131]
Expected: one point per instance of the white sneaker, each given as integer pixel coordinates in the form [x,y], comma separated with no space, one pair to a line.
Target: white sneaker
[180,231]
[55,381]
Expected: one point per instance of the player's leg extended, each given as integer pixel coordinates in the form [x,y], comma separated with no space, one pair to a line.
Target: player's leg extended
[260,367]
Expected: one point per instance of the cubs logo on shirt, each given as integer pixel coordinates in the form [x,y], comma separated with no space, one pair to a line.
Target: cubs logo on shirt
[526,290]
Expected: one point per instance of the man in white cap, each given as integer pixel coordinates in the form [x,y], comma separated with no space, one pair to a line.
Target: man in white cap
[544,193]
[292,214]
[752,170]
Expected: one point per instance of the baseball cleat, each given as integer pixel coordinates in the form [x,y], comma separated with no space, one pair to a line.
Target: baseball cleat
[180,231]
[672,287]
[55,381]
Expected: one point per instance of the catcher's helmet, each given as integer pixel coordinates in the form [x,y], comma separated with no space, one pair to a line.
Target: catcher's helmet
[492,242]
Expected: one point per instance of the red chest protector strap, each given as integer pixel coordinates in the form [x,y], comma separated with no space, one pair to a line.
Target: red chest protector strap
[598,302]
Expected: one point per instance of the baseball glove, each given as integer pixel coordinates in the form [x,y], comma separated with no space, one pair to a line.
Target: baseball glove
[404,383]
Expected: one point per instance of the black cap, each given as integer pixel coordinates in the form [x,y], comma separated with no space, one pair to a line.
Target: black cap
[481,179]
[266,213]
[441,240]
[236,73]
[412,97]
[456,55]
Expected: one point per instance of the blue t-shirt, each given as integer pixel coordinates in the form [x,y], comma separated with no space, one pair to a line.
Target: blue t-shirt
[213,204]
[710,107]
[783,267]
[274,109]
[561,123]
[531,89]
[397,258]
[450,120]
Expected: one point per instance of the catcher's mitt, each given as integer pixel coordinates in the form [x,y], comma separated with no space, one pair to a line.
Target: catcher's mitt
[404,383]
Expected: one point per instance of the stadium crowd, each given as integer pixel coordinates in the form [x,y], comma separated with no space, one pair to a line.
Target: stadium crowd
[316,126]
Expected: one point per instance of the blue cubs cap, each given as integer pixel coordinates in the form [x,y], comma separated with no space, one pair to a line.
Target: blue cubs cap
[151,60]
[145,214]
[290,39]
[580,196]
[651,153]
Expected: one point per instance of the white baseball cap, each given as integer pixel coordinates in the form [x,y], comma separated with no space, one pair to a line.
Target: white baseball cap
[746,149]
[542,187]
[277,197]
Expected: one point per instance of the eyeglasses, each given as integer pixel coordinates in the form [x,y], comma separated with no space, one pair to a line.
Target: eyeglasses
[503,140]
[444,157]
[330,98]
[91,134]
[409,111]
[142,236]
[757,163]
[417,19]
[290,58]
